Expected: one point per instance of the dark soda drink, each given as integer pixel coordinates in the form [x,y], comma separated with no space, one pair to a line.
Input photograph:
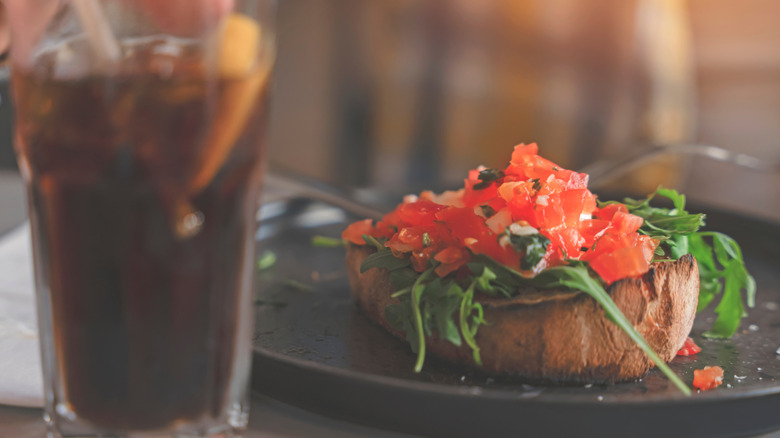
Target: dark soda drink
[143,187]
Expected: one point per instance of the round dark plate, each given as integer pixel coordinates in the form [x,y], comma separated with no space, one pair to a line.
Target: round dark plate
[315,349]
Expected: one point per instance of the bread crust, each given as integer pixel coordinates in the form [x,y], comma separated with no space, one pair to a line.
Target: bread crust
[558,335]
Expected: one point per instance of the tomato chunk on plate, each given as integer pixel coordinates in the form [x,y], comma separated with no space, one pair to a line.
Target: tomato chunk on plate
[708,378]
[689,348]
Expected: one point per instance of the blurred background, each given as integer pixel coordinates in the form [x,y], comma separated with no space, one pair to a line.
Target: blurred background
[398,96]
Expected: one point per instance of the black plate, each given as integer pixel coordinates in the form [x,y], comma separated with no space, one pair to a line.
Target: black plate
[315,349]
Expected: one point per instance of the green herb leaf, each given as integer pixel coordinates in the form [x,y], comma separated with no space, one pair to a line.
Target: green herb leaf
[266,261]
[373,241]
[487,177]
[326,242]
[469,322]
[487,210]
[383,259]
[533,246]
[441,304]
[403,278]
[417,290]
[730,309]
[400,317]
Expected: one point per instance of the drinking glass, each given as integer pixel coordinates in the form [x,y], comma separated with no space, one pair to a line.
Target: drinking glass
[139,133]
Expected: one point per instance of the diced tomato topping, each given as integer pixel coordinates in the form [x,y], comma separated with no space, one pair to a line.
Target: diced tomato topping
[609,211]
[524,149]
[589,205]
[419,212]
[421,258]
[409,239]
[568,240]
[463,223]
[535,167]
[472,196]
[708,378]
[624,262]
[531,192]
[573,204]
[574,180]
[592,229]
[549,212]
[626,223]
[518,196]
[451,259]
[689,348]
[355,231]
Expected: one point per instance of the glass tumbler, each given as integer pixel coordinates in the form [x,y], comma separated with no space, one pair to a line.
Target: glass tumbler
[139,133]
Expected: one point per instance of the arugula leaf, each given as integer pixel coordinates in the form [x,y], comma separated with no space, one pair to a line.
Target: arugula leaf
[730,309]
[403,278]
[469,323]
[663,223]
[383,259]
[417,290]
[441,302]
[373,241]
[400,317]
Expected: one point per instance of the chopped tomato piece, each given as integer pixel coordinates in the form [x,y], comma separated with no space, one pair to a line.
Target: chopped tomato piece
[419,212]
[568,240]
[535,166]
[549,212]
[519,198]
[451,259]
[593,229]
[573,204]
[472,196]
[463,223]
[708,378]
[590,203]
[410,239]
[625,262]
[626,222]
[524,149]
[420,259]
[355,231]
[608,211]
[689,348]
[573,180]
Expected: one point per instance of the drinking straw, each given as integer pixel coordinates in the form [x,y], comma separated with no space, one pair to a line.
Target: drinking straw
[99,34]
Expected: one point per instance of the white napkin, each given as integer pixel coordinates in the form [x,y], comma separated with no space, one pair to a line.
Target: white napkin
[21,381]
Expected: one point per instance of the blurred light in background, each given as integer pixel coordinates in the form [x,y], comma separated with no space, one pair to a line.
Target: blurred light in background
[403,95]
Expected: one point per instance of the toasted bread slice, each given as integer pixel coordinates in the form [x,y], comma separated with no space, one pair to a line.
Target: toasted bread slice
[559,335]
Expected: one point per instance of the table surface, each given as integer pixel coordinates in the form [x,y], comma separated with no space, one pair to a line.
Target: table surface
[269,418]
